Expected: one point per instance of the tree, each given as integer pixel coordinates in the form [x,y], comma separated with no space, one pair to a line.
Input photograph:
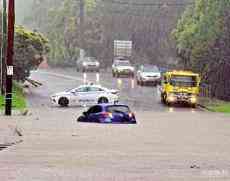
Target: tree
[202,38]
[149,28]
[30,49]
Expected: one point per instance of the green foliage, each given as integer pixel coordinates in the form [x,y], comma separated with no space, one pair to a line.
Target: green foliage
[19,100]
[30,47]
[202,39]
[58,19]
[200,24]
[224,108]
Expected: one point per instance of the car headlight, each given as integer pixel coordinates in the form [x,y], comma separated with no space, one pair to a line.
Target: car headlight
[97,64]
[193,99]
[144,77]
[171,98]
[132,68]
[84,64]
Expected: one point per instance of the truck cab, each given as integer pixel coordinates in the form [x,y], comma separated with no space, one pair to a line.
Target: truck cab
[180,87]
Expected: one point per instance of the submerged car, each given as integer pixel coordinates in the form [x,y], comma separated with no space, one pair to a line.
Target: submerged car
[85,95]
[88,64]
[108,113]
[147,74]
[122,67]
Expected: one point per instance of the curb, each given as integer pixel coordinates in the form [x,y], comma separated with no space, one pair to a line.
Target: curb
[204,108]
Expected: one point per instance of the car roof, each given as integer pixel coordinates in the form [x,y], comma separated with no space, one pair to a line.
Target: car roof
[109,104]
[93,85]
[149,65]
[182,73]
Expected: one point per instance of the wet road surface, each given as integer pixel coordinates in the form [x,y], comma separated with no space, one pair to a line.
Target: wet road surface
[139,98]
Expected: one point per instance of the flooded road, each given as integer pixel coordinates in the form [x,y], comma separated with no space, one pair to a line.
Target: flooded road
[139,98]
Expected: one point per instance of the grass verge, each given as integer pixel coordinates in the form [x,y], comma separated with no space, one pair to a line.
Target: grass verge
[215,105]
[19,99]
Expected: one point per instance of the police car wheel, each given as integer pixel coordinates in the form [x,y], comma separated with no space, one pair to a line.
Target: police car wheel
[103,100]
[63,101]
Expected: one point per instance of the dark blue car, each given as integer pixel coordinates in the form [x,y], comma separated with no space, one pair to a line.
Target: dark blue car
[108,113]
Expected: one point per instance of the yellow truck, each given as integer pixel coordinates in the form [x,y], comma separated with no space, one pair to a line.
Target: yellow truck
[180,87]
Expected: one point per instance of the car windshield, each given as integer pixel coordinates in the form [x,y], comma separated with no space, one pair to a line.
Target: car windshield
[183,81]
[120,58]
[150,69]
[118,108]
[90,59]
[124,63]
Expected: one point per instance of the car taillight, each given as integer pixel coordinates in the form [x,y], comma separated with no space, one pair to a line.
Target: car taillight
[131,115]
[107,114]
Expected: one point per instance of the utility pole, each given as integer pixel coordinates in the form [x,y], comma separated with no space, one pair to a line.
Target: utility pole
[82,24]
[4,46]
[10,54]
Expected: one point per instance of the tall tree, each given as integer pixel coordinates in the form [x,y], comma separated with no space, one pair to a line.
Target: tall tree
[202,37]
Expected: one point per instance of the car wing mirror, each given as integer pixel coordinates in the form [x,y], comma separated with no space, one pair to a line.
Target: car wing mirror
[73,92]
[85,113]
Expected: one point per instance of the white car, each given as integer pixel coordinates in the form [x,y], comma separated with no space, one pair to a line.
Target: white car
[148,74]
[123,67]
[85,95]
[88,64]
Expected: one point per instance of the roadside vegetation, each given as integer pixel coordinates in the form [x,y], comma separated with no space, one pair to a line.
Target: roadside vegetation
[203,44]
[29,51]
[30,47]
[19,99]
[221,107]
[215,105]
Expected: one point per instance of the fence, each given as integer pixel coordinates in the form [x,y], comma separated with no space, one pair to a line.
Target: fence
[206,90]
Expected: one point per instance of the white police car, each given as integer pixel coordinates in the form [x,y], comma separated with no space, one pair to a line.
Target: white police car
[85,95]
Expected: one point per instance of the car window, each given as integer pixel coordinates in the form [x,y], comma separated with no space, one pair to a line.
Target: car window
[95,89]
[124,63]
[82,89]
[118,108]
[94,109]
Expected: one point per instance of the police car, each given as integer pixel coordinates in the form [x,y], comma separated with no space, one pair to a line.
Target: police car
[85,95]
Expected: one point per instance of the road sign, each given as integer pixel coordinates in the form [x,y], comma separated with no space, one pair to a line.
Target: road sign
[10,70]
[123,48]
